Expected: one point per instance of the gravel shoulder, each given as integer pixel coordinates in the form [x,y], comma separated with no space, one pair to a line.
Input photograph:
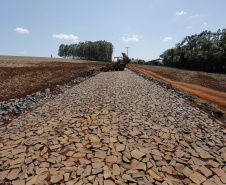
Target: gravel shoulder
[114,128]
[207,94]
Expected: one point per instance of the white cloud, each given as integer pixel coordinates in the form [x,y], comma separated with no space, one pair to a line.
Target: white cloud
[64,36]
[22,52]
[189,27]
[126,38]
[193,16]
[205,24]
[166,39]
[181,13]
[21,30]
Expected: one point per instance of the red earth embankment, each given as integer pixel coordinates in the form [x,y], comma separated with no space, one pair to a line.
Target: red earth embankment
[209,94]
[216,99]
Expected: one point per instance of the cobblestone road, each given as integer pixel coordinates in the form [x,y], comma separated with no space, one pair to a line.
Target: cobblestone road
[114,128]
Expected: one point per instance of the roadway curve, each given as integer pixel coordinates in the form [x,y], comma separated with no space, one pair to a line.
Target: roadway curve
[214,96]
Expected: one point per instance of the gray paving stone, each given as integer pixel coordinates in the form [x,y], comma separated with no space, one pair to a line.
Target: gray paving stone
[114,128]
[197,178]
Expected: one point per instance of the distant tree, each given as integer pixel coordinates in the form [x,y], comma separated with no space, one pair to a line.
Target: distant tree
[140,61]
[99,50]
[61,50]
[205,51]
[72,50]
[66,51]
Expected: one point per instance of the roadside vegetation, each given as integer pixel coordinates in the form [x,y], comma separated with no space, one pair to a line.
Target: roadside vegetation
[204,52]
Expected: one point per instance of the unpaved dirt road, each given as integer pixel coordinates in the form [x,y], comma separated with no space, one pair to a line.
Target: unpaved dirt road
[114,128]
[217,97]
[213,101]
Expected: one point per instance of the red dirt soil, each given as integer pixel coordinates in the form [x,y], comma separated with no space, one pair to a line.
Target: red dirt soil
[212,96]
[18,79]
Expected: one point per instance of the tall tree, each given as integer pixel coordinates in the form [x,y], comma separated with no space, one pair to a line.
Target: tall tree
[99,50]
[61,50]
[205,51]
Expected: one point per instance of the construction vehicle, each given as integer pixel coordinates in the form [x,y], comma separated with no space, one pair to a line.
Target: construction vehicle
[118,65]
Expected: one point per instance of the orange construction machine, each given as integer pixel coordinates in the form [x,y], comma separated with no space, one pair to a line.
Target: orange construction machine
[118,65]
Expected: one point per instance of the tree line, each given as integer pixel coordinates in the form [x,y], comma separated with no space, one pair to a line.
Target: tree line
[98,50]
[204,52]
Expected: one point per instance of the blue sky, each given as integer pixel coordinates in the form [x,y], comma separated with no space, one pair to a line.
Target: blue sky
[147,27]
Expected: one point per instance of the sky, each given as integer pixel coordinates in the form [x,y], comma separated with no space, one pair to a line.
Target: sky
[146,27]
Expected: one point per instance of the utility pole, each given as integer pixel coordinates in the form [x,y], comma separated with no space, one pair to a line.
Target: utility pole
[127,51]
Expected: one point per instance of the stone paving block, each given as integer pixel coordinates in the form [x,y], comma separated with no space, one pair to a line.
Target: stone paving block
[114,128]
[197,178]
